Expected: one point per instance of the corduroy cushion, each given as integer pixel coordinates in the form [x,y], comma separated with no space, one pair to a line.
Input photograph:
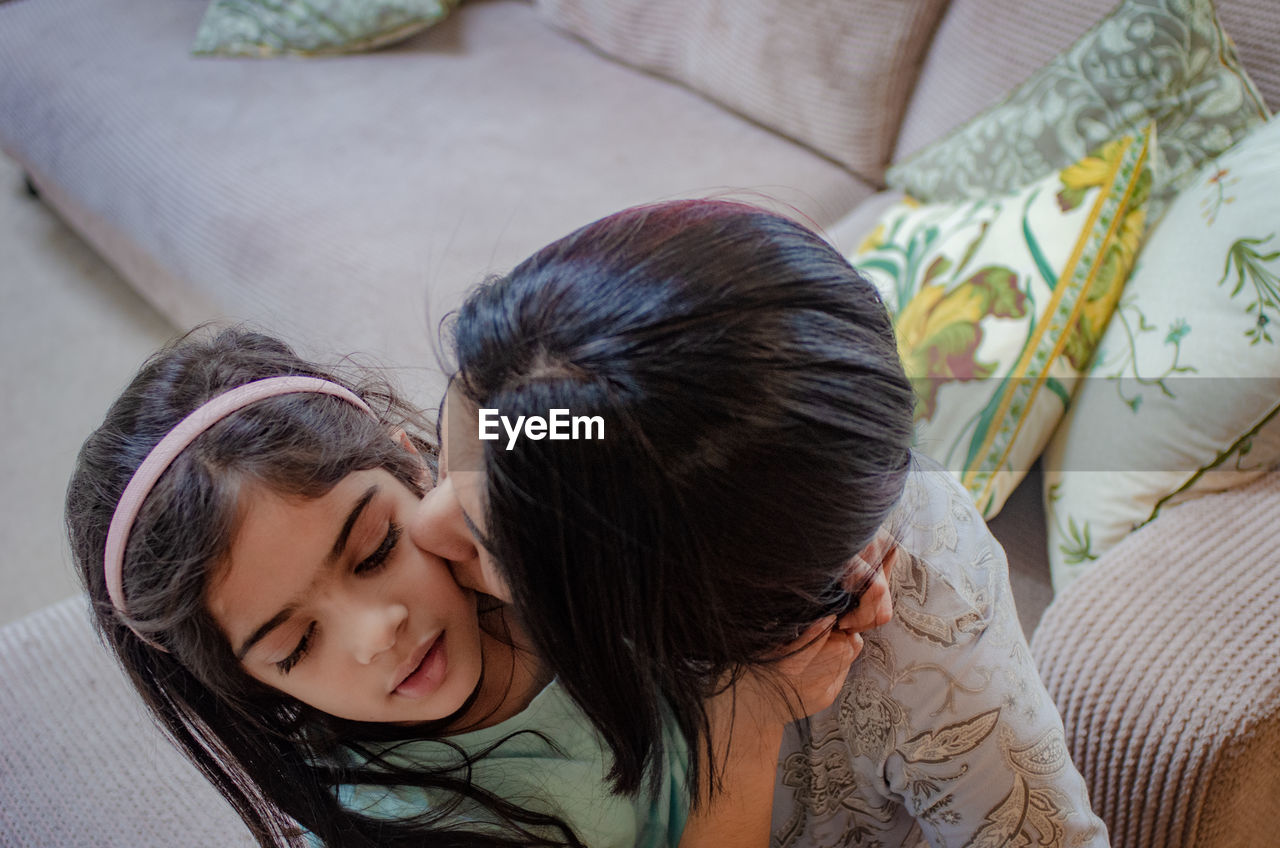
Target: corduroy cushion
[348,203]
[832,74]
[1163,663]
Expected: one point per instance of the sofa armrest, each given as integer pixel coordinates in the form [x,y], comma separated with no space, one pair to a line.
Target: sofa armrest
[1165,663]
[81,762]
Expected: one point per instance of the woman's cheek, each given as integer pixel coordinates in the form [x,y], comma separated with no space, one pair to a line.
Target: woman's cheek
[494,582]
[481,575]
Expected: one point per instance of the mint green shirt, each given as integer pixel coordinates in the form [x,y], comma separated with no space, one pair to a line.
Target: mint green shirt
[567,780]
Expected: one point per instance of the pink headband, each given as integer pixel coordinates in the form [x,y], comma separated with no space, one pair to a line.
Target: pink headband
[176,441]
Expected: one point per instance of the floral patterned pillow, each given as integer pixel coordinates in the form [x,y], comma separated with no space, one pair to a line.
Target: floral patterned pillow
[998,304]
[312,27]
[1164,60]
[1183,396]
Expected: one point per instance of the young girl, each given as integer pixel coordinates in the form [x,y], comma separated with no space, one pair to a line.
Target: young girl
[239,521]
[756,437]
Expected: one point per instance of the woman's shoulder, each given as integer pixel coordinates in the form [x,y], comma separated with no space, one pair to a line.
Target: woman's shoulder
[954,574]
[933,501]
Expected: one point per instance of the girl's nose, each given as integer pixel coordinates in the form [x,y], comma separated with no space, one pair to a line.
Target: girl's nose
[440,528]
[374,628]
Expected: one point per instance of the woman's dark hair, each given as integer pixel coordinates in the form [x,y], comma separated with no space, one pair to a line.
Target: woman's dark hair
[757,433]
[275,759]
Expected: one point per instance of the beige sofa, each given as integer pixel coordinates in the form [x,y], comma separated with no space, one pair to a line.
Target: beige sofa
[347,203]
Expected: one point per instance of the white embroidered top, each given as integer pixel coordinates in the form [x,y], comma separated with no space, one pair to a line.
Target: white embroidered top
[944,734]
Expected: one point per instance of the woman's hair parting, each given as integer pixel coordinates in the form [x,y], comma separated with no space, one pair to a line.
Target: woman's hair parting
[275,759]
[757,431]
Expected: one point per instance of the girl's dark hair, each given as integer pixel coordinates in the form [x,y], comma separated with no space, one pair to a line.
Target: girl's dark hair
[275,759]
[757,433]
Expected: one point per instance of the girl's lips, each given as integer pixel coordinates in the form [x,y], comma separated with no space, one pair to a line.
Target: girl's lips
[429,673]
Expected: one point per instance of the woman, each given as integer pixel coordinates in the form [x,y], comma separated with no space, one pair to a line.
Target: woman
[756,439]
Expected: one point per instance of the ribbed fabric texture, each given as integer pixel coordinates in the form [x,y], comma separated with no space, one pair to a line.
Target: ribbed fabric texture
[81,763]
[831,74]
[1165,663]
[1254,26]
[347,203]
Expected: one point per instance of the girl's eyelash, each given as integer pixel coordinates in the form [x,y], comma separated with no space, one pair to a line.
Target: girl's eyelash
[378,558]
[286,665]
[369,564]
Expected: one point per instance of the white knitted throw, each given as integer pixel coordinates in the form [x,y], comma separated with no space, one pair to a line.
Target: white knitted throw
[1165,663]
[81,762]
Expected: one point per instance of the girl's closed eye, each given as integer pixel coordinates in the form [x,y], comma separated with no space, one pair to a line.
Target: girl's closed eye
[369,565]
[286,665]
[379,557]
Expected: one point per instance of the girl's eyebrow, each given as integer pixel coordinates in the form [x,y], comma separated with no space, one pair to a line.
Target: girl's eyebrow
[339,545]
[259,634]
[344,534]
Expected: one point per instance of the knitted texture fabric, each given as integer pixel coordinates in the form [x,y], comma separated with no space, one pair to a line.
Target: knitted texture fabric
[81,762]
[1165,663]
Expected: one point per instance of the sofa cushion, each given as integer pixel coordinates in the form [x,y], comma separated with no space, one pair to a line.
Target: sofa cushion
[1162,60]
[998,303]
[833,74]
[1183,396]
[347,202]
[311,27]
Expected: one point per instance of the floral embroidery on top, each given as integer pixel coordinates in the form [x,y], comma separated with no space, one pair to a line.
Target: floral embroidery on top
[943,731]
